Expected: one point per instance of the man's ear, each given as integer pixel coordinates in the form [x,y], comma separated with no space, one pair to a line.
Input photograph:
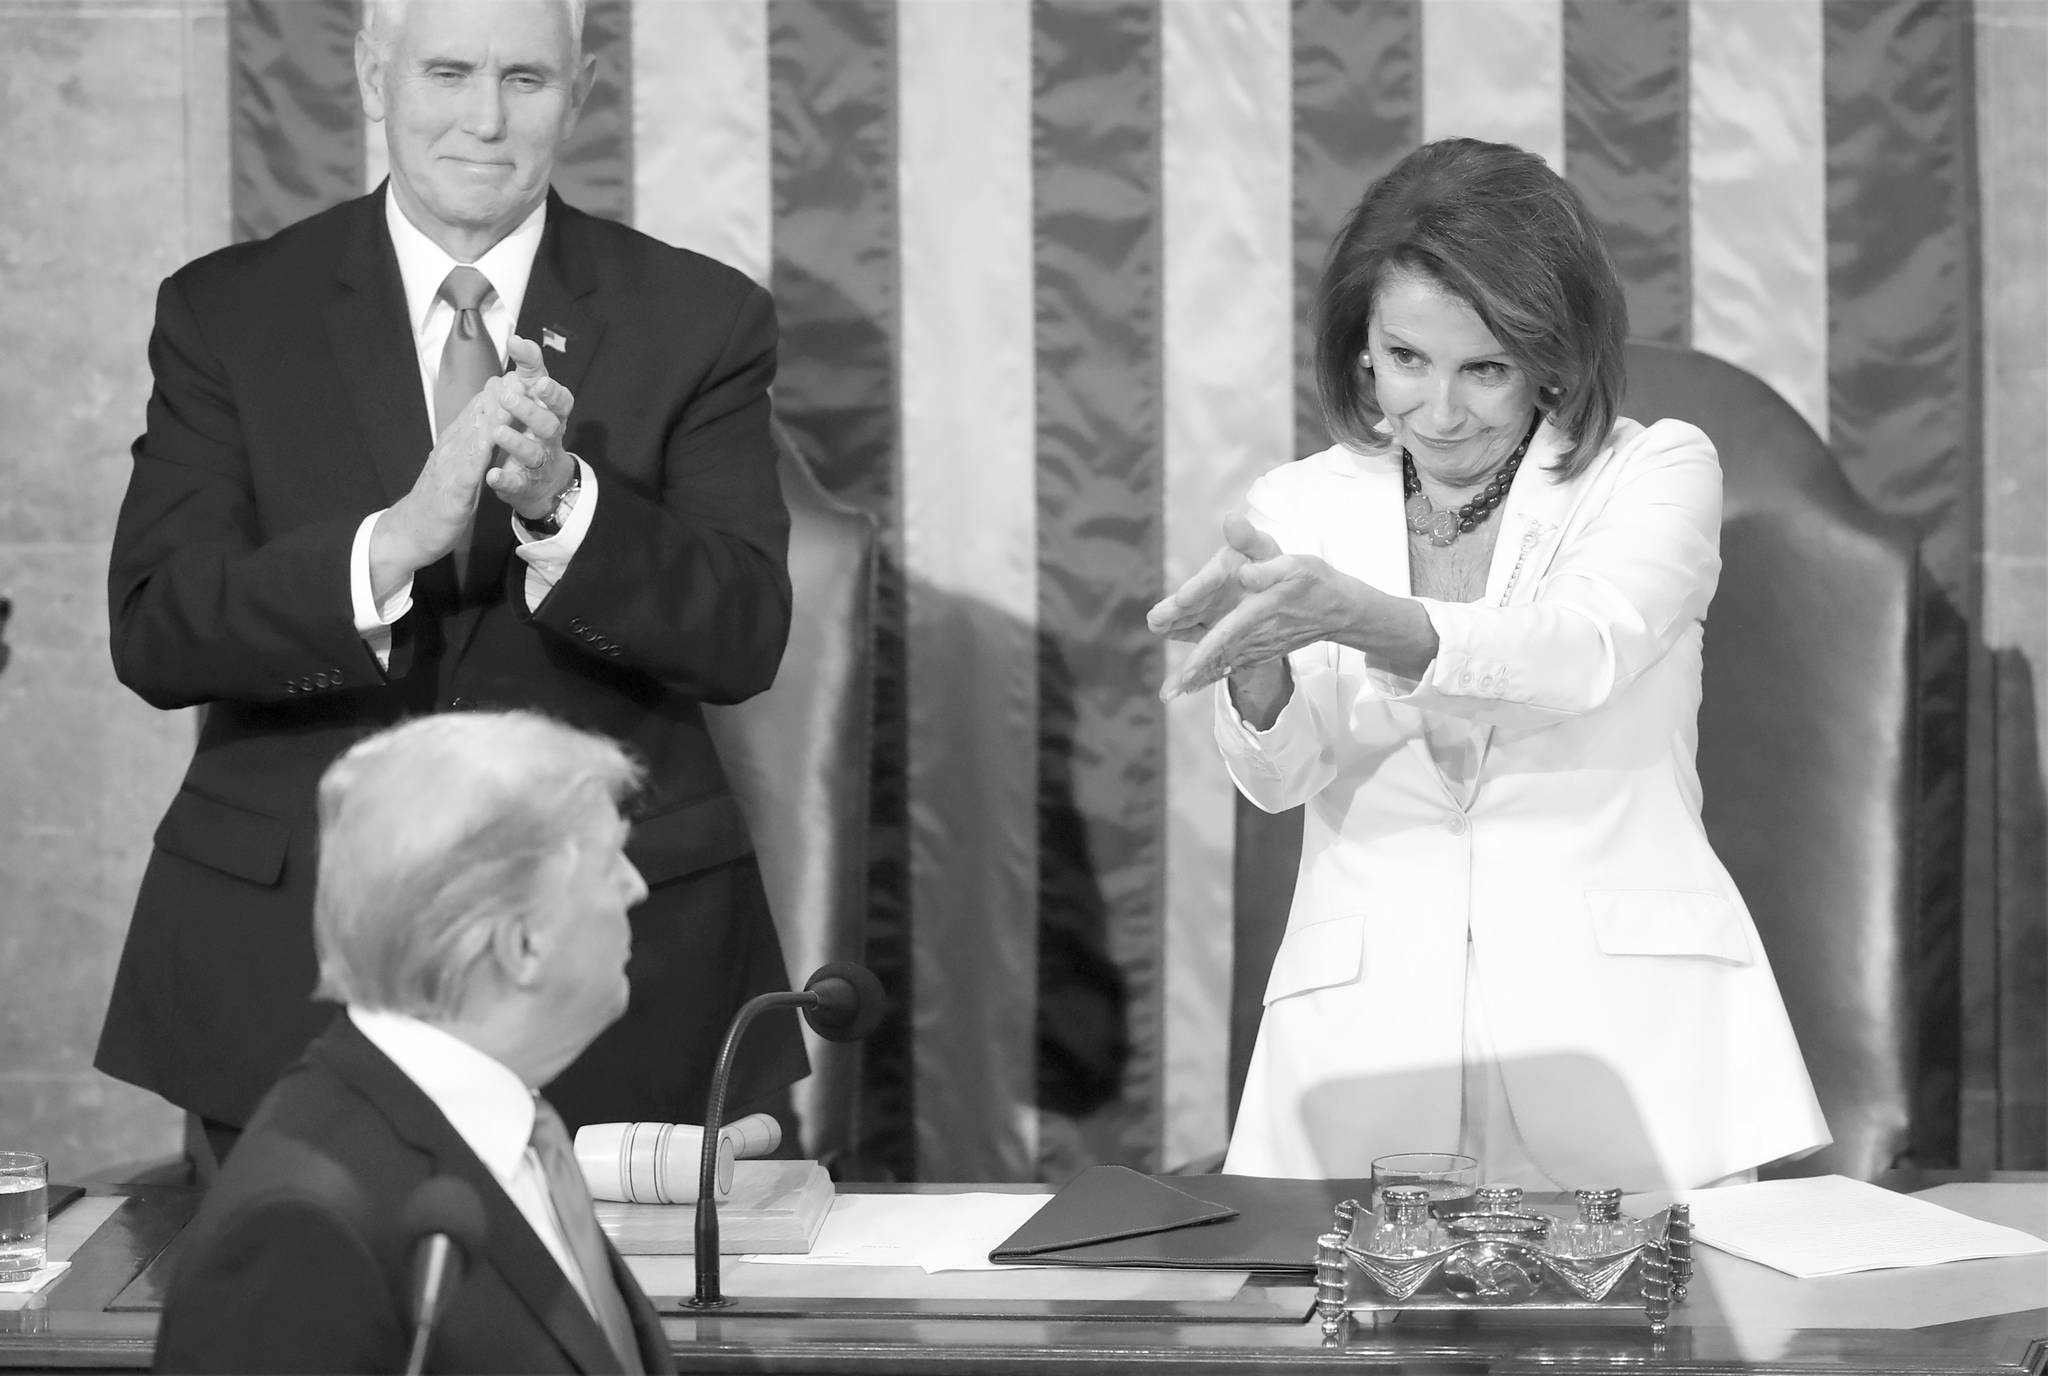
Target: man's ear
[579,91]
[370,67]
[518,951]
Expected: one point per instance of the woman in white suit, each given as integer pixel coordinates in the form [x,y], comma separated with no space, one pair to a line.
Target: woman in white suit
[1468,637]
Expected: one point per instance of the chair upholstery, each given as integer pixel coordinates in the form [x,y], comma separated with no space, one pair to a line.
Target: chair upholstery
[1807,755]
[797,756]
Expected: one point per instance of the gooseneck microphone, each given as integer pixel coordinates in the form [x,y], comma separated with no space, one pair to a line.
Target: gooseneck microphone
[445,1220]
[842,1002]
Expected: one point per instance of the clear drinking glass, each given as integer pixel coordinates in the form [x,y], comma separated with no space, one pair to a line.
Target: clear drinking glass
[1450,1179]
[24,1214]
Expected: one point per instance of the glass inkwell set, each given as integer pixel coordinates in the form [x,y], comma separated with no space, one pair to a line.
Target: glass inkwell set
[1436,1244]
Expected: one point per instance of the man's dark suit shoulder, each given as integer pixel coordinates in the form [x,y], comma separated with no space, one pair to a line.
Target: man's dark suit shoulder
[625,258]
[307,1211]
[299,1260]
[257,278]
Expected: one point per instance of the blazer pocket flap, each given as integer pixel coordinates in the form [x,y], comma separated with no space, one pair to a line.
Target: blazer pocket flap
[1318,956]
[221,836]
[692,836]
[1668,922]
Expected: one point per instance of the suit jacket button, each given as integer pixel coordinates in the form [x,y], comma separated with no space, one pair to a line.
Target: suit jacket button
[459,703]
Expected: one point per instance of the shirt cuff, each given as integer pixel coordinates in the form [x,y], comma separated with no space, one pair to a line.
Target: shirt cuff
[373,619]
[547,557]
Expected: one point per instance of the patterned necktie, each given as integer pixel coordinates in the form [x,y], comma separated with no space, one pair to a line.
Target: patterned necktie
[468,361]
[578,1220]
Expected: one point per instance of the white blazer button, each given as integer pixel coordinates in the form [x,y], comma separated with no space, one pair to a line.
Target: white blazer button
[1456,824]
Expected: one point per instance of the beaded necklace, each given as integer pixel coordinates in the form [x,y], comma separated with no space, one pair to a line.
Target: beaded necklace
[1442,527]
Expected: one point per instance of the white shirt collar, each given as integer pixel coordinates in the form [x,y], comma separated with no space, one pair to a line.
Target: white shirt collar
[488,1105]
[423,264]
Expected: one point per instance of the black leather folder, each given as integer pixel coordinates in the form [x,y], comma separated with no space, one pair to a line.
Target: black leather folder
[1115,1216]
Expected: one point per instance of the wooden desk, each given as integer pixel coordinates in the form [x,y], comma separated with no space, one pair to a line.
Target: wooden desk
[71,1326]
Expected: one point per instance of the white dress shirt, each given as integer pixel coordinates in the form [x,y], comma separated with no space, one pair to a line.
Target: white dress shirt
[422,266]
[489,1107]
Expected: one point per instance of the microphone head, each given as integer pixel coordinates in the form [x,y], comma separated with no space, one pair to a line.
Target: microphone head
[850,1001]
[449,1206]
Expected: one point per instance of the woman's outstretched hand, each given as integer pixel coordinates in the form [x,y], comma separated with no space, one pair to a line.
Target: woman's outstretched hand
[1249,605]
[1190,610]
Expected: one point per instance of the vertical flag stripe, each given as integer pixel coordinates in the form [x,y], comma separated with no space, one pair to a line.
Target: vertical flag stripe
[970,559]
[295,116]
[1625,150]
[1902,325]
[594,170]
[1759,225]
[1903,336]
[1226,140]
[1494,69]
[1357,112]
[1101,763]
[832,75]
[832,134]
[701,170]
[2012,112]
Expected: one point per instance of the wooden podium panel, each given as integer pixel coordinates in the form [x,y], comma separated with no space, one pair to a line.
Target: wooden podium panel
[775,1206]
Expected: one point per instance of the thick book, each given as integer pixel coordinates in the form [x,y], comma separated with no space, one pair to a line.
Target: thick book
[1113,1216]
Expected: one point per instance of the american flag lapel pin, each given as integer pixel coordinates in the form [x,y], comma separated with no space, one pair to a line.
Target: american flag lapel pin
[552,338]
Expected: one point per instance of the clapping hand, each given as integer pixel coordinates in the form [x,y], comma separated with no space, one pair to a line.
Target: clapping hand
[1251,604]
[533,466]
[1190,610]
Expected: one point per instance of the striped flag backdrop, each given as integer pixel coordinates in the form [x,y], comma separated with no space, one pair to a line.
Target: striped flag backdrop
[1041,267]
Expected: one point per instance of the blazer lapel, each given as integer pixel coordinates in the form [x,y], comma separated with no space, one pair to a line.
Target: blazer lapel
[373,347]
[512,1248]
[1533,520]
[558,313]
[1372,538]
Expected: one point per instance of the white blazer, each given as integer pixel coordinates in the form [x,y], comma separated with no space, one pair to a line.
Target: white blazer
[1637,1025]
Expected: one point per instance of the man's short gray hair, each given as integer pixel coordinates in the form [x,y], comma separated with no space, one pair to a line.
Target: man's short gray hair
[383,19]
[435,833]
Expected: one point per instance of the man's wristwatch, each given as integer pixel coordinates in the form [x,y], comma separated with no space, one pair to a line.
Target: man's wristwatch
[549,523]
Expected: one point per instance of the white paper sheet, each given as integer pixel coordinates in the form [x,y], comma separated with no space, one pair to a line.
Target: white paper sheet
[938,1232]
[1831,1225]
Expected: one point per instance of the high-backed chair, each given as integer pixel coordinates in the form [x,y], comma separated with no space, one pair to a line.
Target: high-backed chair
[1807,755]
[797,756]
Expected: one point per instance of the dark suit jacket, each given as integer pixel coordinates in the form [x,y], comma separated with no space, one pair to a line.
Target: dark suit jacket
[296,1260]
[287,407]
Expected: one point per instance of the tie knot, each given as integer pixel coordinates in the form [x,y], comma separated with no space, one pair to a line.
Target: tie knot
[465,288]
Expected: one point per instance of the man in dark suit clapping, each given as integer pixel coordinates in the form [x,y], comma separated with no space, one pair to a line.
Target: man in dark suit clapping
[471,917]
[453,445]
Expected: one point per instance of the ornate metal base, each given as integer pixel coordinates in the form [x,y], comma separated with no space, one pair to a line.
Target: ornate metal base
[1491,1270]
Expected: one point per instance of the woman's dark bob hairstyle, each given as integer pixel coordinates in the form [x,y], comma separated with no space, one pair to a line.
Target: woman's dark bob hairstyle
[1493,225]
